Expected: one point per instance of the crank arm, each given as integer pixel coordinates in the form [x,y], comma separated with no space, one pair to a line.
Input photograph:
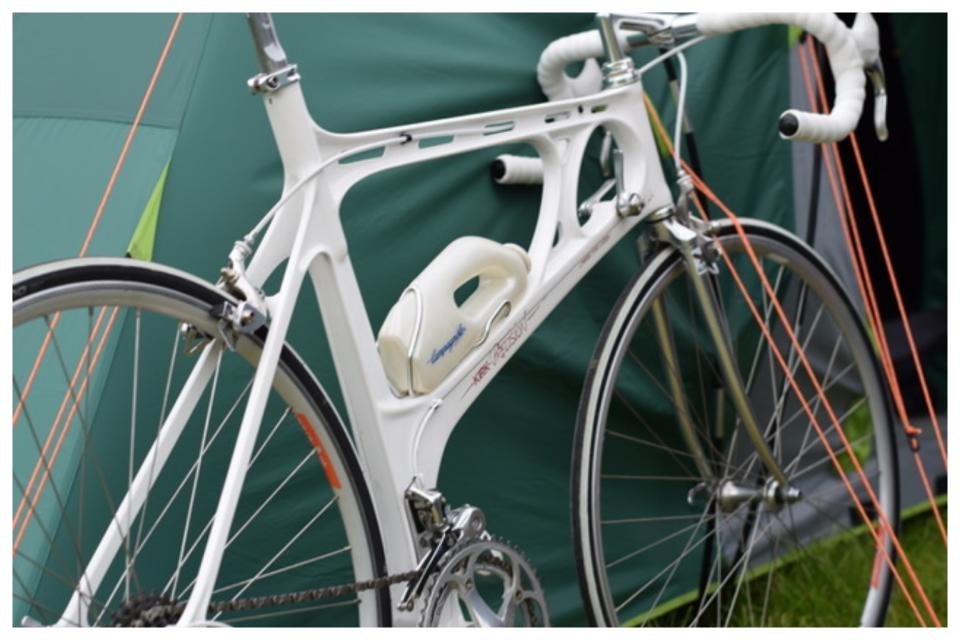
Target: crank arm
[426,567]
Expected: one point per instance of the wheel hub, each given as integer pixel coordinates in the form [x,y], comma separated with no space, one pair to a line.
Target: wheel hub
[772,494]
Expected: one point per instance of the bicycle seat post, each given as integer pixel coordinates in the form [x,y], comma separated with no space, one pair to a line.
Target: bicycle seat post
[275,70]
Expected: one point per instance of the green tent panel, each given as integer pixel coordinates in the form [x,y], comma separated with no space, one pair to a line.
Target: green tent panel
[60,173]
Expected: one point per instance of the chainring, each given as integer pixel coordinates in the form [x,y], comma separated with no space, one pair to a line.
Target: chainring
[484,582]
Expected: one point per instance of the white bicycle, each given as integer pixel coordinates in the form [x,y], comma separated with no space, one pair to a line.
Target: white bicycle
[124,515]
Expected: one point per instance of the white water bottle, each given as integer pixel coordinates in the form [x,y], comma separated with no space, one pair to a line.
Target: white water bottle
[426,334]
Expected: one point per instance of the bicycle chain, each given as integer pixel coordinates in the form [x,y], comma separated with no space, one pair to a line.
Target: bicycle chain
[163,614]
[168,614]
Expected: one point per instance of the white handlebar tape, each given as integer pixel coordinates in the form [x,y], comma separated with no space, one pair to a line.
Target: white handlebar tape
[867,35]
[586,46]
[510,169]
[845,61]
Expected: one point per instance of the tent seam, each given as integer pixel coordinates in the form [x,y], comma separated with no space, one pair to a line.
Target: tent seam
[193,83]
[53,115]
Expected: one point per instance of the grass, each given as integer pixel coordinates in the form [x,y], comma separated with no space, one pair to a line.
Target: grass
[924,546]
[822,592]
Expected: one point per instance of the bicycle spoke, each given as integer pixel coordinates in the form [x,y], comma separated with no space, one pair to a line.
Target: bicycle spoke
[138,548]
[814,402]
[55,550]
[51,573]
[761,347]
[811,444]
[133,439]
[660,444]
[63,404]
[197,467]
[48,615]
[183,483]
[613,476]
[826,457]
[671,450]
[163,416]
[743,571]
[689,547]
[97,463]
[673,566]
[248,583]
[259,509]
[719,587]
[793,363]
[289,567]
[31,504]
[266,441]
[815,408]
[762,340]
[273,494]
[84,458]
[648,519]
[768,588]
[652,545]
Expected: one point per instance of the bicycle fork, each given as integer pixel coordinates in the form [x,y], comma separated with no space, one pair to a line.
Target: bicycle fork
[692,245]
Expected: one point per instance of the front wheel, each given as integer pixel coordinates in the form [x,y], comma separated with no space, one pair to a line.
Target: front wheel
[657,546]
[100,356]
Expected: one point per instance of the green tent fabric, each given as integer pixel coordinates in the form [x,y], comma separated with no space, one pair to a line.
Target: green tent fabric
[203,169]
[68,129]
[922,38]
[922,41]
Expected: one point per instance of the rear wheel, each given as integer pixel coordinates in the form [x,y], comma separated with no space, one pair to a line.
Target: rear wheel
[653,545]
[86,413]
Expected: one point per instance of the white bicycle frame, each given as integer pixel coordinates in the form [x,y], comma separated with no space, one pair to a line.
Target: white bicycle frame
[400,440]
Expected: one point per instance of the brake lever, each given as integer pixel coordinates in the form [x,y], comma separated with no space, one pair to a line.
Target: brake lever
[879,82]
[867,36]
